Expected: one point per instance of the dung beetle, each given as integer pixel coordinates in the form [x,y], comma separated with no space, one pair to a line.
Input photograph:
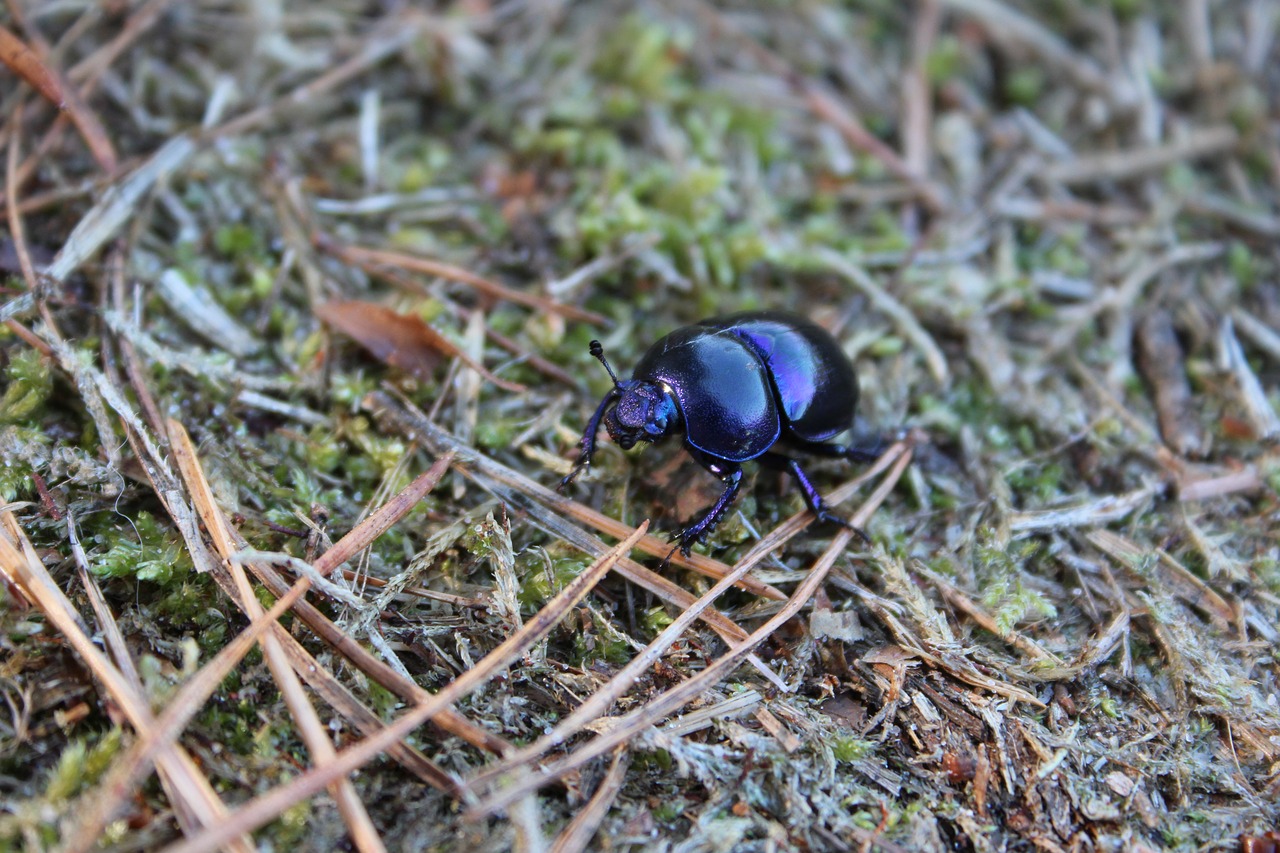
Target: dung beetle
[739,387]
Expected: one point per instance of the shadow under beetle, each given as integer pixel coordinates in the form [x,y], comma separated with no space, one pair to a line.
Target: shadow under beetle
[739,388]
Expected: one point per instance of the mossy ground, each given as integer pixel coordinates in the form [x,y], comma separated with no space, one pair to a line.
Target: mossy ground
[1045,233]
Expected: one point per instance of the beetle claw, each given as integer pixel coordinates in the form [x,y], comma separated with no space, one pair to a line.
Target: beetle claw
[684,541]
[666,561]
[832,518]
[570,477]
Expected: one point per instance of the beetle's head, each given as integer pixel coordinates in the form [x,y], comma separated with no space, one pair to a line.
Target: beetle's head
[644,410]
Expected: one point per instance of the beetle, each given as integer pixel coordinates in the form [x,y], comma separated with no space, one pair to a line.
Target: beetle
[739,388]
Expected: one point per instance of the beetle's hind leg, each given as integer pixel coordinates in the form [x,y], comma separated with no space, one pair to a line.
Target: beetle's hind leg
[839,451]
[812,499]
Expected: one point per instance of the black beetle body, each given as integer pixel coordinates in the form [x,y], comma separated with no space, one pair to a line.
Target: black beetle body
[737,387]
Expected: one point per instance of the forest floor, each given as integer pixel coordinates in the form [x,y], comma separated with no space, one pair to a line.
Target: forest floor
[297,302]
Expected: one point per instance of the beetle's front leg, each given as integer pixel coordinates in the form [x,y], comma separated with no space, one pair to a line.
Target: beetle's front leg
[730,473]
[588,443]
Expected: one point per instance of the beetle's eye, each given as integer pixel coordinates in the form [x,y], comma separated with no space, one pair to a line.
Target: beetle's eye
[660,416]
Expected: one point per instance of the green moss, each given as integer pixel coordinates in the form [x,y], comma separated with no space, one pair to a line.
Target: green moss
[669,811]
[643,56]
[1038,483]
[1127,10]
[15,475]
[1242,264]
[322,451]
[999,567]
[291,828]
[1025,86]
[1268,570]
[656,619]
[146,550]
[1065,256]
[659,758]
[348,389]
[29,382]
[384,453]
[420,165]
[236,239]
[538,586]
[495,434]
[851,749]
[80,766]
[945,60]
[886,346]
[382,701]
[1249,108]
[595,646]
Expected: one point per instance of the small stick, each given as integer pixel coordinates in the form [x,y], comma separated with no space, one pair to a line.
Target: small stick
[266,807]
[1160,362]
[313,732]
[599,702]
[401,260]
[577,835]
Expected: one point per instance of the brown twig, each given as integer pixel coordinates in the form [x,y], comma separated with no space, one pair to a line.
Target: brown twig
[132,767]
[577,835]
[1121,165]
[971,608]
[48,82]
[394,33]
[659,707]
[360,256]
[17,230]
[406,282]
[421,427]
[826,106]
[917,103]
[263,808]
[1159,359]
[1010,26]
[89,72]
[363,833]
[604,698]
[195,801]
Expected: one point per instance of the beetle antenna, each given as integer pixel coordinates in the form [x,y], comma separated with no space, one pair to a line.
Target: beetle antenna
[598,351]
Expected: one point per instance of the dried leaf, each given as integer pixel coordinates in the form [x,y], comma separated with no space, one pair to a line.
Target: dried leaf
[401,340]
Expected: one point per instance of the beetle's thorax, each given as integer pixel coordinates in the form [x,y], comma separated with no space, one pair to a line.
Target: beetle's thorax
[645,411]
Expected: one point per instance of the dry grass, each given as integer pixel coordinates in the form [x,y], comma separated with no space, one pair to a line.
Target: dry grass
[276,275]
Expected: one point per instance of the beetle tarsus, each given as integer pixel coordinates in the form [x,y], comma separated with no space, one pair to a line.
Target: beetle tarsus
[831,518]
[568,479]
[666,561]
